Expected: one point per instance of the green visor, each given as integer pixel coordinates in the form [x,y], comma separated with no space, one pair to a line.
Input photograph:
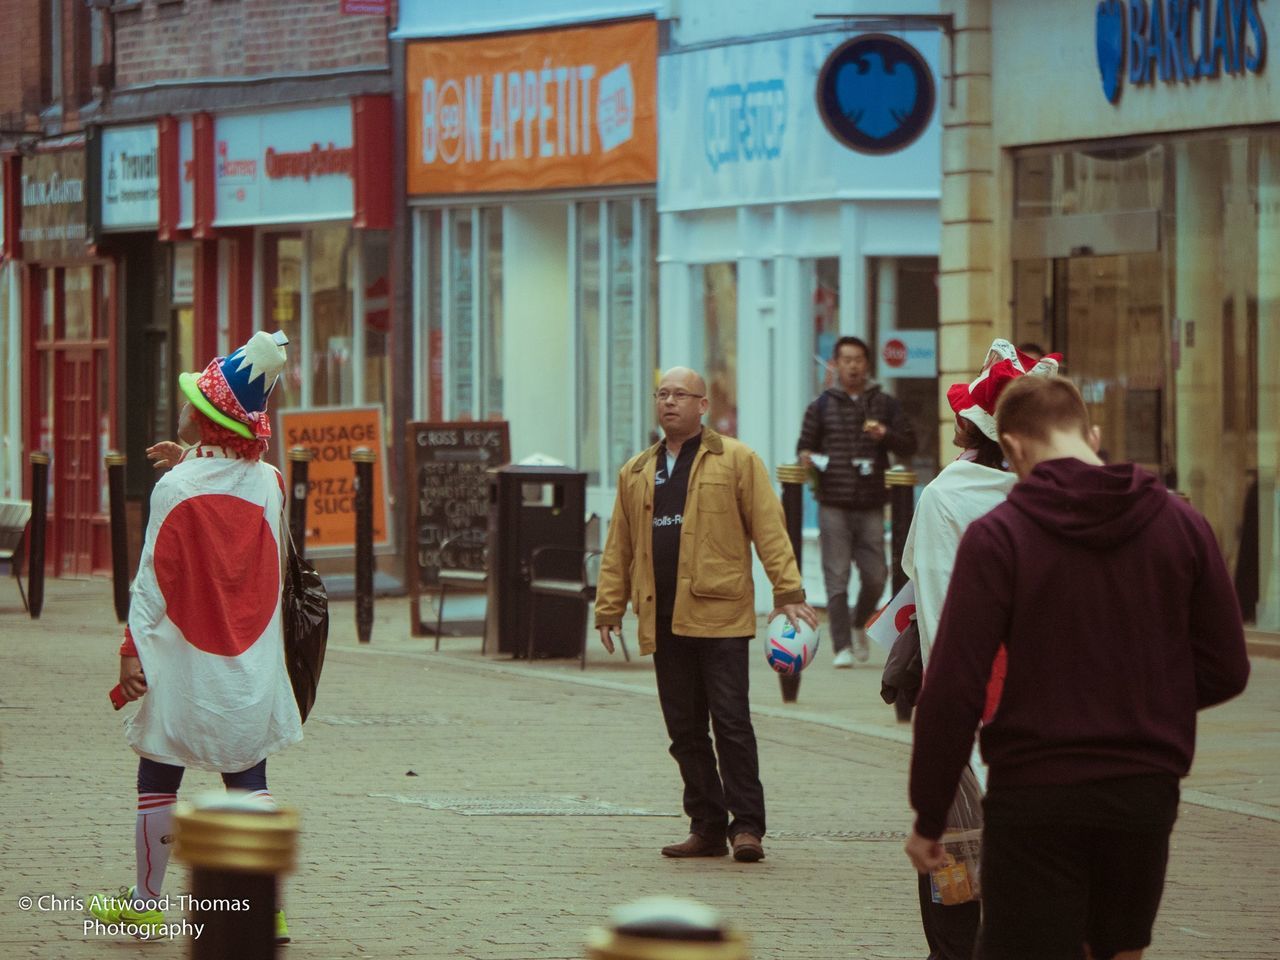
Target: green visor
[187,382]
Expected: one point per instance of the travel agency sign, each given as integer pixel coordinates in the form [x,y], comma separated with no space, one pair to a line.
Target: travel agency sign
[533,110]
[1177,41]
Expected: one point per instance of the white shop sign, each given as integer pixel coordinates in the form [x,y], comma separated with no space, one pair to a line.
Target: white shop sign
[284,166]
[740,124]
[908,353]
[130,177]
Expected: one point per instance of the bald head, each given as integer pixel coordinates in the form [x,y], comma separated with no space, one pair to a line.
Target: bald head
[682,400]
[686,379]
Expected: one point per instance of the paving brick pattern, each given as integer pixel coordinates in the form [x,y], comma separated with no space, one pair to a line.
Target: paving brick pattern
[386,869]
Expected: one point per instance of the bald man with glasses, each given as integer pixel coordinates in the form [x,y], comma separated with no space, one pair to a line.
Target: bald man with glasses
[688,510]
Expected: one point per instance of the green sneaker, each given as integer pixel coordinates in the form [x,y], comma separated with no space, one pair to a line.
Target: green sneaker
[282,928]
[118,908]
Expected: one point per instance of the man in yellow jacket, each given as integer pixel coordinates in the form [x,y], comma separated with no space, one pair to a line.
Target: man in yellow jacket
[679,549]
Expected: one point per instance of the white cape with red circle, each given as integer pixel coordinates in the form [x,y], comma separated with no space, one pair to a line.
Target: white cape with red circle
[206,618]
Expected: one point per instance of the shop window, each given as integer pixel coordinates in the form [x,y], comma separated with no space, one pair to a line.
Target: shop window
[616,332]
[1170,340]
[432,291]
[824,306]
[589,343]
[282,275]
[376,279]
[491,339]
[463,308]
[78,300]
[331,346]
[717,286]
[51,280]
[328,289]
[462,316]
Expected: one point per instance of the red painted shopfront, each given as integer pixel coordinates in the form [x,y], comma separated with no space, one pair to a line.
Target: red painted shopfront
[70,409]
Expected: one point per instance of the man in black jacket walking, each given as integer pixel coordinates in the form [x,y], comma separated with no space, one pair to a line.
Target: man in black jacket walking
[848,433]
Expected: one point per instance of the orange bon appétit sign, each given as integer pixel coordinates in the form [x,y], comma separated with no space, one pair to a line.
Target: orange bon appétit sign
[331,434]
[533,110]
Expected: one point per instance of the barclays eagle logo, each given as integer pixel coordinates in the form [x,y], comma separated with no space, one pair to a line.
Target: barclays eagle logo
[875,94]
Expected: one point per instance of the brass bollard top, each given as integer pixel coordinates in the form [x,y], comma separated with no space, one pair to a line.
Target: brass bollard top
[115,458]
[300,454]
[792,473]
[899,477]
[225,831]
[666,928]
[364,455]
[39,457]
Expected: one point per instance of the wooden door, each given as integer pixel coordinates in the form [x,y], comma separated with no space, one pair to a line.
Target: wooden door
[76,460]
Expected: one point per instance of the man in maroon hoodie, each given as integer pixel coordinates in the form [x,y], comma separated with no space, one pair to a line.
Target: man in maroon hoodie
[1121,622]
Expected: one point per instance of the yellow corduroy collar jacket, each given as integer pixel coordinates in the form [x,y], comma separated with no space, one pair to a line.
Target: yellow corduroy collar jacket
[730,504]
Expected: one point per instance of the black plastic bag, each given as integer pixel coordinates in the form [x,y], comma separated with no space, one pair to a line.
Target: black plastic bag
[306,626]
[903,668]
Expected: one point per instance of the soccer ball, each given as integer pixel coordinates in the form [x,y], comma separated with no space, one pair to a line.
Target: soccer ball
[787,649]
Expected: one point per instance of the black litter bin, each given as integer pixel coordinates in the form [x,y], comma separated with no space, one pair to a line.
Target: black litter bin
[532,507]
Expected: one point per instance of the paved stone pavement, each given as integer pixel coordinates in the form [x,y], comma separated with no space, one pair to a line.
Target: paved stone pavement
[422,774]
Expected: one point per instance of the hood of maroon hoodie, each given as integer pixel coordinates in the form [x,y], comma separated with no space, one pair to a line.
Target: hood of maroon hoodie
[1099,506]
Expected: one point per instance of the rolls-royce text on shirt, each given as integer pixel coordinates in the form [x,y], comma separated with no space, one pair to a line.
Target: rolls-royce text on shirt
[670,489]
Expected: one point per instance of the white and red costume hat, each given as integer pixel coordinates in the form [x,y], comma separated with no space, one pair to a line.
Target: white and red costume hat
[233,391]
[1005,363]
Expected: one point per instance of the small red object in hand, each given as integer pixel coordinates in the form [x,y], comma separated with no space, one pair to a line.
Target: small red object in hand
[118,699]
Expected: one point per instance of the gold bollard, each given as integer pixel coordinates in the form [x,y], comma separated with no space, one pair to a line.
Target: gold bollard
[236,849]
[666,928]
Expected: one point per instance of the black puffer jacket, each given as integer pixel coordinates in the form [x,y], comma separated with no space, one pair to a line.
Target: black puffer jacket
[833,425]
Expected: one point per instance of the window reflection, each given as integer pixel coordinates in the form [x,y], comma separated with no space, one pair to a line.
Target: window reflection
[717,284]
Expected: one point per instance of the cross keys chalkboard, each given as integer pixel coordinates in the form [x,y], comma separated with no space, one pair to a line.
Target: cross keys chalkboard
[449,495]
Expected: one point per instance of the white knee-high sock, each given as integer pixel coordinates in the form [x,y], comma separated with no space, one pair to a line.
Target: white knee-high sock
[265,798]
[153,841]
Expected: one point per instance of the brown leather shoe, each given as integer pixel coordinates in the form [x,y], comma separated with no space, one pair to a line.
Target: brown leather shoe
[696,846]
[747,848]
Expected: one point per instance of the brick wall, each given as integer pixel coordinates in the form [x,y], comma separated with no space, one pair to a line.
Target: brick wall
[21,44]
[197,39]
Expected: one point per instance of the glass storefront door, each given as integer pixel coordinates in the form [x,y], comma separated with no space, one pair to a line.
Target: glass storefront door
[1152,266]
[1105,315]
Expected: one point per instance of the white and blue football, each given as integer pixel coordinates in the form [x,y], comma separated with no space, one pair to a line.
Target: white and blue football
[787,649]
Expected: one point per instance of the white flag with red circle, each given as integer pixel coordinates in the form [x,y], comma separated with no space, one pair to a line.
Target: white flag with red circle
[205,617]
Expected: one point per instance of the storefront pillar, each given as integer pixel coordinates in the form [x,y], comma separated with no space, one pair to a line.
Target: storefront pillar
[1268,374]
[969,311]
[1203,473]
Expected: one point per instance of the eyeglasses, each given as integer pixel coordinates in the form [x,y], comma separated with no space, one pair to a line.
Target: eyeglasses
[679,396]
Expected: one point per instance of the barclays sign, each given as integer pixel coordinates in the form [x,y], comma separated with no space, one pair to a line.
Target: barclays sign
[1177,41]
[744,122]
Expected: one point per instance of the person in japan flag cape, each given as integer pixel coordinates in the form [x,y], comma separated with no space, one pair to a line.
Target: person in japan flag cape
[206,617]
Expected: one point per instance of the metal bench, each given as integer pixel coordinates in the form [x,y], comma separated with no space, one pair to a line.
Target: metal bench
[461,579]
[14,516]
[583,589]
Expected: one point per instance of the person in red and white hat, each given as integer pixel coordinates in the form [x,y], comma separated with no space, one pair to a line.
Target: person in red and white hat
[963,491]
[204,647]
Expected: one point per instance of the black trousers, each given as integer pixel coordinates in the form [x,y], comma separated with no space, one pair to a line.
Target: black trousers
[703,679]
